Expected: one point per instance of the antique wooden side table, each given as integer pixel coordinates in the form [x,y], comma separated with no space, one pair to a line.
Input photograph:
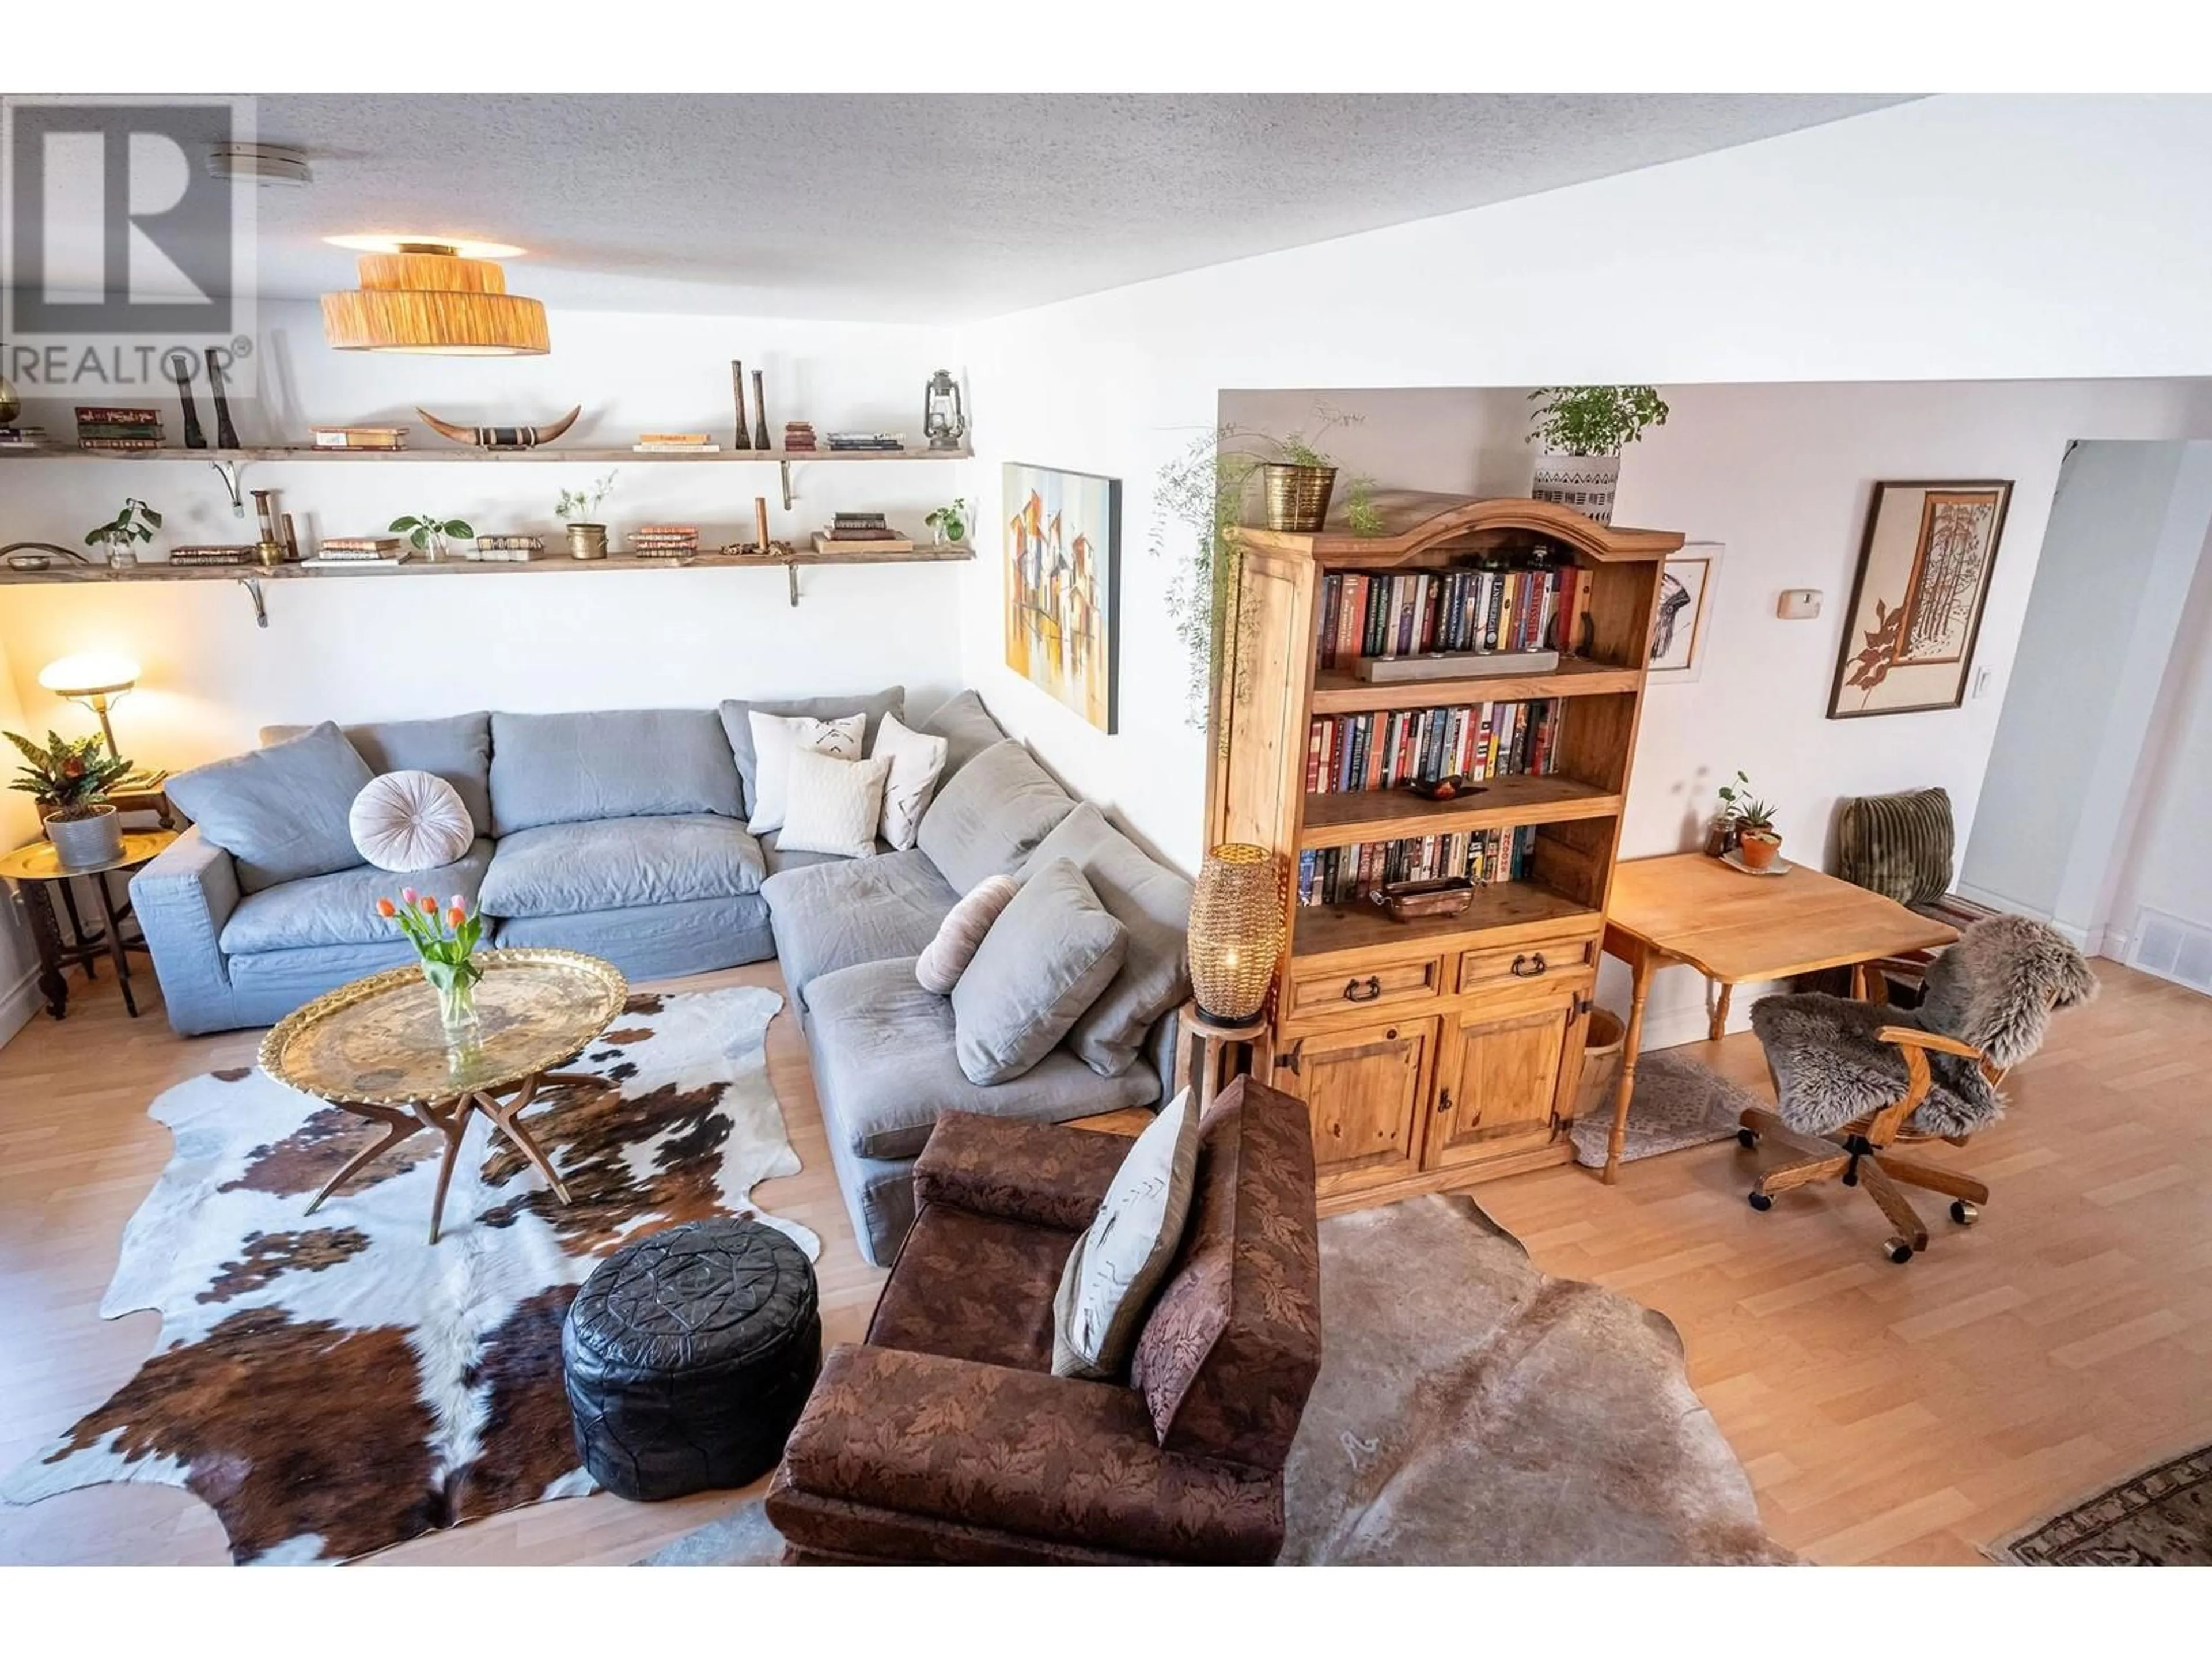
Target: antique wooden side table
[41,877]
[378,1048]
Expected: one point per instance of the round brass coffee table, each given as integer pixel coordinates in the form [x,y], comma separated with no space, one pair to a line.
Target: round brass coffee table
[377,1048]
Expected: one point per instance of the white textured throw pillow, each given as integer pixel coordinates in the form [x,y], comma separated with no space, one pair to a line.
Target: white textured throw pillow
[775,738]
[407,821]
[832,806]
[1107,1286]
[917,761]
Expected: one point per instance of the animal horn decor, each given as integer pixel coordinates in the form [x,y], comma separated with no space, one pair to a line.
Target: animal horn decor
[503,437]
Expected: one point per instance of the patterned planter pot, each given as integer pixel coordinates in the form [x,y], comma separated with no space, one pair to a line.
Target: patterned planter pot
[1585,483]
[87,842]
[587,541]
[1297,496]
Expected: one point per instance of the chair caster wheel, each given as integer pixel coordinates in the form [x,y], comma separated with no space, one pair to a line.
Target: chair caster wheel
[1761,1202]
[1964,1213]
[1899,1251]
[1851,1176]
[1747,1137]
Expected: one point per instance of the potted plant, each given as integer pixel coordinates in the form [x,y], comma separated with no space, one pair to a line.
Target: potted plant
[137,522]
[579,510]
[444,938]
[70,779]
[1300,478]
[950,524]
[426,532]
[1746,822]
[1583,429]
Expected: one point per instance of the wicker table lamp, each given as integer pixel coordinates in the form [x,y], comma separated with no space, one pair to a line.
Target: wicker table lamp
[1236,932]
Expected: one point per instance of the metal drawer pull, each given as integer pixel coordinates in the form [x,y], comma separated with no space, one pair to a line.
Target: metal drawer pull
[1353,993]
[1521,972]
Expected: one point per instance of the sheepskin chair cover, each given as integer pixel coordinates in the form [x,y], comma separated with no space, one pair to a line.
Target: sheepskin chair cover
[407,821]
[1995,988]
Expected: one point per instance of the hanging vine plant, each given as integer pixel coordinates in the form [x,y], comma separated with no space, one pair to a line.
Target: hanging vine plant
[1198,498]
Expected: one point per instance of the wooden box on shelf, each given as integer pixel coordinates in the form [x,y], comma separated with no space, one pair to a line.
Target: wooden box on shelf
[1440,1051]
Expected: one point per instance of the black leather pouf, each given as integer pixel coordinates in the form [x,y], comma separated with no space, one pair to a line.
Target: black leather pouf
[689,1356]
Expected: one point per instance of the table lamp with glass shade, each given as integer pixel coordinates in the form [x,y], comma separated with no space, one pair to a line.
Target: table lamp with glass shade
[94,678]
[1236,932]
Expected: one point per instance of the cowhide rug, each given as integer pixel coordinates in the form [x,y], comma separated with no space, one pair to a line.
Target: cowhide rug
[332,1384]
[1471,1410]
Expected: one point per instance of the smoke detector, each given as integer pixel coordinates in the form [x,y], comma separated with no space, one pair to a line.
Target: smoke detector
[267,165]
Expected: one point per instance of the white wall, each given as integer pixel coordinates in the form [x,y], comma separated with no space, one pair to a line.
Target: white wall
[390,645]
[2072,759]
[1953,239]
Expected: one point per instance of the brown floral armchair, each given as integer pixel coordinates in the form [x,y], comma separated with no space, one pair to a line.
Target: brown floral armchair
[944,1436]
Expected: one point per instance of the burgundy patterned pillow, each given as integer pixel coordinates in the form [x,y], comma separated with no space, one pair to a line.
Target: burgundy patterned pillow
[960,933]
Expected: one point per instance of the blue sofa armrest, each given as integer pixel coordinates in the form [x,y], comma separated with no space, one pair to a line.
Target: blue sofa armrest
[182,899]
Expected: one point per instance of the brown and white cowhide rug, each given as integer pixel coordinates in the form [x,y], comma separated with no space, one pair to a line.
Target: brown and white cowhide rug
[334,1384]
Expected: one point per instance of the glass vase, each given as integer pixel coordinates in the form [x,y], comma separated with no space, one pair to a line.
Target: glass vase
[457,1011]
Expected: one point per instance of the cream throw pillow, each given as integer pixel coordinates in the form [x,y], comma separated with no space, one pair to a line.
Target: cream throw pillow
[407,821]
[946,957]
[832,806]
[774,738]
[1107,1287]
[917,763]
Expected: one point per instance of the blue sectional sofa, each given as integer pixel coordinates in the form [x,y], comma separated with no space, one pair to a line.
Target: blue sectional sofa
[623,833]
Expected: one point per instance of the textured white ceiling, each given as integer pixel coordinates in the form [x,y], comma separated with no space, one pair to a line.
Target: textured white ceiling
[934,209]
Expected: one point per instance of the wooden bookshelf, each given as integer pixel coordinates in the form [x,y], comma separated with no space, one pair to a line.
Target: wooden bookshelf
[1435,1053]
[551,452]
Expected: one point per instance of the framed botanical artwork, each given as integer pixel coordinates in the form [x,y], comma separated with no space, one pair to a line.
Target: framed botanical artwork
[1917,605]
[1063,587]
[1685,605]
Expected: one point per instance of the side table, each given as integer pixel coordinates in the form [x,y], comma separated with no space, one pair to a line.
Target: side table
[38,875]
[1200,1044]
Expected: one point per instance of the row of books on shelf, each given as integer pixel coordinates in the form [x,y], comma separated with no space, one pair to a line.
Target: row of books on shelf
[1496,608]
[1343,875]
[1380,750]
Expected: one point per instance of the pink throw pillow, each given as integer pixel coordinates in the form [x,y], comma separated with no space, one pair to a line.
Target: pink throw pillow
[946,956]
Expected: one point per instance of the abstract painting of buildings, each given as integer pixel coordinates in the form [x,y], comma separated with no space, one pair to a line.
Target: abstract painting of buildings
[1063,585]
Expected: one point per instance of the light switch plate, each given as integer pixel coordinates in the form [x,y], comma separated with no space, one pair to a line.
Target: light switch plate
[1798,604]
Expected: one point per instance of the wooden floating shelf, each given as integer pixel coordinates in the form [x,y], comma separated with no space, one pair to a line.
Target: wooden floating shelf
[1338,820]
[1338,692]
[596,457]
[158,572]
[1328,929]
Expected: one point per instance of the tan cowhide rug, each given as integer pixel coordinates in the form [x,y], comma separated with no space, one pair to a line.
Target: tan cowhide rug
[332,1384]
[1470,1411]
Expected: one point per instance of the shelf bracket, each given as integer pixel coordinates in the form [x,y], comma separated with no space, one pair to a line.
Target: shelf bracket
[252,586]
[784,467]
[227,471]
[791,571]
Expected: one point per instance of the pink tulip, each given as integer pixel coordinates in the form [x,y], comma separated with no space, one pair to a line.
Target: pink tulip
[407,895]
[456,903]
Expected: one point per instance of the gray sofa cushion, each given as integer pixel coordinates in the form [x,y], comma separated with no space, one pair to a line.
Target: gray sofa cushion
[884,1068]
[1154,902]
[967,728]
[777,859]
[340,908]
[829,916]
[738,726]
[1051,952]
[985,821]
[562,869]
[627,763]
[280,811]
[274,982]
[657,941]
[456,749]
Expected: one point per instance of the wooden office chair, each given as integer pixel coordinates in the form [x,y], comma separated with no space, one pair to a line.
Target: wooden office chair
[1853,1080]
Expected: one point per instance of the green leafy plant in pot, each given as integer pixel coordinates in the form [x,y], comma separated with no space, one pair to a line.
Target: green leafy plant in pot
[1300,477]
[137,522]
[1749,823]
[579,510]
[427,533]
[70,779]
[1583,429]
[949,524]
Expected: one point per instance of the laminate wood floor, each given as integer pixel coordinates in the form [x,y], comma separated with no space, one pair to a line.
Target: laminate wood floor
[1885,1414]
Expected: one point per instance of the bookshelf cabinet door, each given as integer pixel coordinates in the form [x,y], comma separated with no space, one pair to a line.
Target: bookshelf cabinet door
[1367,1091]
[1503,1076]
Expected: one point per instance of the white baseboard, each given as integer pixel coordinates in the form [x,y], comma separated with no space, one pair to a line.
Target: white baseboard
[1990,901]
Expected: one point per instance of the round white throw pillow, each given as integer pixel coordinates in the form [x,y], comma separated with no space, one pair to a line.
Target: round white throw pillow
[406,821]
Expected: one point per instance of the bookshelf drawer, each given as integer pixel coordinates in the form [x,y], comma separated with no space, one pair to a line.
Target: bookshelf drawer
[1371,985]
[1563,959]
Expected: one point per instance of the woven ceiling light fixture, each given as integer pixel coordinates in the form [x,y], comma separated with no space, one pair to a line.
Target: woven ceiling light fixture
[435,298]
